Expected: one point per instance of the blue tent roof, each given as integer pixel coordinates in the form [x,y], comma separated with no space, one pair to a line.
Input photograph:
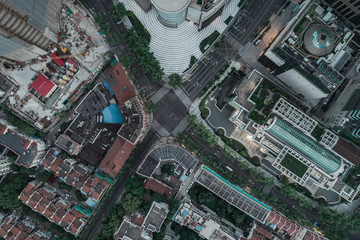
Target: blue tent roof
[107,85]
[112,114]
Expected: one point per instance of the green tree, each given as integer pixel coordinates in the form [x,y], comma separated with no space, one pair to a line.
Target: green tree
[43,176]
[125,61]
[80,197]
[10,190]
[87,87]
[134,185]
[63,185]
[167,169]
[111,222]
[117,11]
[157,197]
[130,203]
[175,80]
[150,106]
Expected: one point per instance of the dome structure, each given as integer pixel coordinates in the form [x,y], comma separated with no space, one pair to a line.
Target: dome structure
[319,40]
[171,12]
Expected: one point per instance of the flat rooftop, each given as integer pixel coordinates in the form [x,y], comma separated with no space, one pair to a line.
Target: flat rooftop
[232,194]
[25,150]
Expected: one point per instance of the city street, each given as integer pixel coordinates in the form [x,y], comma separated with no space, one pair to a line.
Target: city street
[144,81]
[94,226]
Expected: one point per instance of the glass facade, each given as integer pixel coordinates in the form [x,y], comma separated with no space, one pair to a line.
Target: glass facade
[304,145]
[172,18]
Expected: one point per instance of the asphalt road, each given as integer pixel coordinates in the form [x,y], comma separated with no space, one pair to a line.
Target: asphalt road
[95,225]
[204,74]
[144,80]
[253,19]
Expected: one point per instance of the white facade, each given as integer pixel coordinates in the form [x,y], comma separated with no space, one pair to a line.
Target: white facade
[301,85]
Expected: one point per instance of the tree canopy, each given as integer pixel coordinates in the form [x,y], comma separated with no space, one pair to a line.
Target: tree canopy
[10,190]
[175,80]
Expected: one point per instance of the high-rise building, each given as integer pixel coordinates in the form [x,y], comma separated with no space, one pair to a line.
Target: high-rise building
[28,28]
[310,53]
[350,9]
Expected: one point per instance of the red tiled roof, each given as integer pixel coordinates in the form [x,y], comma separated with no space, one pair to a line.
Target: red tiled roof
[348,151]
[260,233]
[71,62]
[3,129]
[116,157]
[174,179]
[26,144]
[157,187]
[57,60]
[55,165]
[119,83]
[42,85]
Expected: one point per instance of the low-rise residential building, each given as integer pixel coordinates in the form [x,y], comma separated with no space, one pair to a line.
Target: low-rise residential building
[206,224]
[29,150]
[58,207]
[115,158]
[78,175]
[17,227]
[141,228]
[157,186]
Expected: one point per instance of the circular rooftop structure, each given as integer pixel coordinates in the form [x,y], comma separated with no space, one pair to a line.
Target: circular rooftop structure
[171,12]
[319,40]
[171,5]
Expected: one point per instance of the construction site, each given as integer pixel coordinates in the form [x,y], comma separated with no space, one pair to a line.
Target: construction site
[42,80]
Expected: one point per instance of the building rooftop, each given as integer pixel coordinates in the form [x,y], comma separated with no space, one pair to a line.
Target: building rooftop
[157,187]
[304,145]
[171,6]
[116,157]
[54,205]
[155,217]
[319,40]
[120,83]
[25,147]
[238,198]
[348,151]
[132,120]
[42,85]
[112,115]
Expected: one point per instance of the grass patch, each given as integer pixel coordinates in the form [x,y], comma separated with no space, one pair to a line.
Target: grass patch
[311,10]
[294,165]
[206,43]
[301,26]
[318,132]
[139,28]
[228,20]
[241,2]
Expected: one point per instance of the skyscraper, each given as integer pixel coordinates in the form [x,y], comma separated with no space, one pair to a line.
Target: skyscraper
[28,28]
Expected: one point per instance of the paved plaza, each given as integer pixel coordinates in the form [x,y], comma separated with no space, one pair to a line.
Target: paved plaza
[186,37]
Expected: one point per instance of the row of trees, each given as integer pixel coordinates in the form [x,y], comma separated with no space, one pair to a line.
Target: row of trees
[111,37]
[117,11]
[21,125]
[205,133]
[141,52]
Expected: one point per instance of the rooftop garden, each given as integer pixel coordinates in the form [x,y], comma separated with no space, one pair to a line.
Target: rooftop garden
[264,97]
[294,165]
[318,132]
[353,177]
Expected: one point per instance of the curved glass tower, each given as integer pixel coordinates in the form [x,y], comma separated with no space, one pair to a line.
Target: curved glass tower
[171,13]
